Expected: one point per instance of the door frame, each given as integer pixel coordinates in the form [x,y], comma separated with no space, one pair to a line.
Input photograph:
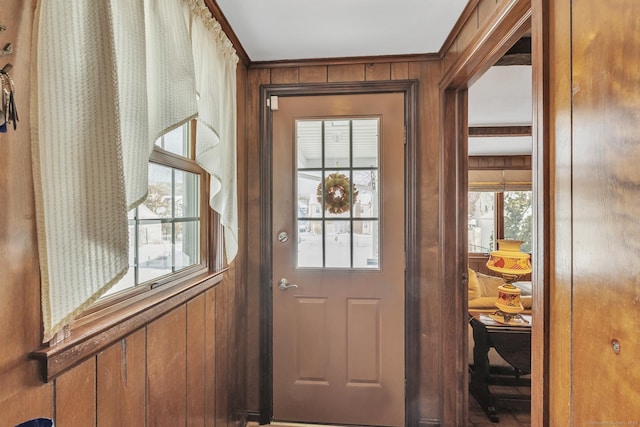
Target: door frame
[411,333]
[510,22]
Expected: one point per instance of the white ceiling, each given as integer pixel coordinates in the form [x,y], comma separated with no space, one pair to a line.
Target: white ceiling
[271,30]
[274,30]
[501,97]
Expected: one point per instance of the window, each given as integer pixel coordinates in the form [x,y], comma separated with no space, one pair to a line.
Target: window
[167,230]
[338,193]
[499,215]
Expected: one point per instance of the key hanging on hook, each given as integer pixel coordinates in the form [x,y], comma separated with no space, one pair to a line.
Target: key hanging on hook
[8,100]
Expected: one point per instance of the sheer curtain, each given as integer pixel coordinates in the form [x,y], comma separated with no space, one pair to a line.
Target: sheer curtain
[108,79]
[216,131]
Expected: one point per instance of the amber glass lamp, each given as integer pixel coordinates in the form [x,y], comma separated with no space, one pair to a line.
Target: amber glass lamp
[511,264]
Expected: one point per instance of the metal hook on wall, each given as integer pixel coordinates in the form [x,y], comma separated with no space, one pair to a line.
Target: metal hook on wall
[8,50]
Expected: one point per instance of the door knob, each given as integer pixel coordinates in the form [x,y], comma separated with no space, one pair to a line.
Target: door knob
[284,284]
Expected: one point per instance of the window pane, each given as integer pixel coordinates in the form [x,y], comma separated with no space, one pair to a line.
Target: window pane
[309,143]
[176,141]
[367,200]
[337,143]
[365,244]
[365,143]
[158,203]
[309,244]
[307,189]
[128,281]
[154,251]
[340,191]
[187,244]
[481,221]
[337,244]
[187,194]
[518,218]
[337,193]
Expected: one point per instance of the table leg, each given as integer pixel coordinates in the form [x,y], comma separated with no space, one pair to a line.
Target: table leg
[478,386]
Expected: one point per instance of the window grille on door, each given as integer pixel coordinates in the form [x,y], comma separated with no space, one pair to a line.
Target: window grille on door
[338,193]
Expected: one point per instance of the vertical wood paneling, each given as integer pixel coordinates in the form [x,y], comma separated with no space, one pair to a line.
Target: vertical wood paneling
[76,396]
[196,354]
[238,269]
[166,370]
[345,73]
[313,74]
[284,75]
[120,382]
[428,74]
[210,358]
[30,400]
[606,190]
[222,374]
[560,285]
[232,347]
[377,71]
[399,71]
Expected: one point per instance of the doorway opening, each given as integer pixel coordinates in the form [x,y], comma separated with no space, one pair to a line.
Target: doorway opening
[514,24]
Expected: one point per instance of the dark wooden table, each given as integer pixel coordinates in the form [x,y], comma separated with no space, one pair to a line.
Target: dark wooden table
[513,344]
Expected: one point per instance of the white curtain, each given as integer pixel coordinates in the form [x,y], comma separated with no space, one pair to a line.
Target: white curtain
[216,131]
[108,79]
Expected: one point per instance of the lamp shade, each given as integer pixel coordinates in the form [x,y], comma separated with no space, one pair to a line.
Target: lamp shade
[508,259]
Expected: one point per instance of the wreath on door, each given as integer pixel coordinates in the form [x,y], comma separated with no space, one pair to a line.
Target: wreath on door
[337,190]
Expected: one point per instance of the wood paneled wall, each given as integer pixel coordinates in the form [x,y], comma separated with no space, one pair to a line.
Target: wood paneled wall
[184,369]
[594,105]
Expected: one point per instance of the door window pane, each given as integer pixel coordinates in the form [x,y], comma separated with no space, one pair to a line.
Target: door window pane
[310,244]
[337,194]
[337,238]
[481,221]
[337,189]
[365,244]
[367,201]
[365,143]
[309,143]
[309,201]
[337,143]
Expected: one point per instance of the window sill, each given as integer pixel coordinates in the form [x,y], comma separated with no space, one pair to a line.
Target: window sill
[93,333]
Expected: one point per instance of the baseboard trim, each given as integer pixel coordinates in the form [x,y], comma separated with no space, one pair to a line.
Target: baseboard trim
[253,416]
[423,422]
